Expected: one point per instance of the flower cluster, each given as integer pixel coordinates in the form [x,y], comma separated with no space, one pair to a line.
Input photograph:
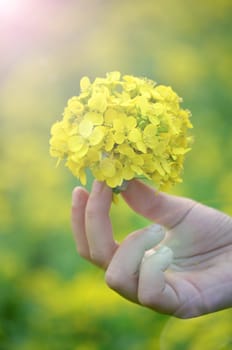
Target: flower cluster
[123,128]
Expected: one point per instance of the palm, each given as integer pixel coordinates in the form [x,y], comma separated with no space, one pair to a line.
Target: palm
[200,237]
[200,271]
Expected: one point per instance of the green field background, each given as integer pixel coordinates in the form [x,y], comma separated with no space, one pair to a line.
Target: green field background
[50,298]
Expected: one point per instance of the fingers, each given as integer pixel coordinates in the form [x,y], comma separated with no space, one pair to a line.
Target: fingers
[165,209]
[79,201]
[91,224]
[98,225]
[134,269]
[153,290]
[123,272]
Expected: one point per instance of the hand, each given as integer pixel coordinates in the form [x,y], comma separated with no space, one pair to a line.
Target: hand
[182,268]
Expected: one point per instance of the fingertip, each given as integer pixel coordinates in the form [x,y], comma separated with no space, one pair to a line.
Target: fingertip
[162,257]
[155,233]
[142,198]
[131,186]
[98,186]
[100,197]
[165,250]
[163,208]
[156,229]
[136,184]
[79,195]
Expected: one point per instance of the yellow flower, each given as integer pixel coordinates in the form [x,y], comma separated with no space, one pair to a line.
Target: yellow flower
[122,128]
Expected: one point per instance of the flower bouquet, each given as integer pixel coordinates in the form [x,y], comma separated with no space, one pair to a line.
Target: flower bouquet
[122,128]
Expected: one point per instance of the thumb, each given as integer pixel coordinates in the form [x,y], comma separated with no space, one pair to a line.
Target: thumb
[165,209]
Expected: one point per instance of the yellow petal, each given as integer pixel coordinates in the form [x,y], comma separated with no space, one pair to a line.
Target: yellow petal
[130,83]
[82,177]
[128,173]
[158,108]
[109,142]
[114,181]
[95,118]
[93,155]
[130,123]
[80,153]
[57,129]
[98,103]
[143,104]
[75,106]
[136,169]
[118,125]
[119,137]
[180,150]
[154,119]
[149,136]
[126,150]
[110,115]
[134,135]
[97,135]
[113,76]
[150,130]
[75,143]
[85,83]
[85,128]
[159,168]
[141,146]
[107,167]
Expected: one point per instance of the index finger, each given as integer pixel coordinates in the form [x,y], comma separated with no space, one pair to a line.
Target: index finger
[164,209]
[98,225]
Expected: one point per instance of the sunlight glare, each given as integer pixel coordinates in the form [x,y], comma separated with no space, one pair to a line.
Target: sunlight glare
[9,7]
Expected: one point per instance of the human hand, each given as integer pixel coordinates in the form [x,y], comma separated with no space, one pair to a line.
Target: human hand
[182,268]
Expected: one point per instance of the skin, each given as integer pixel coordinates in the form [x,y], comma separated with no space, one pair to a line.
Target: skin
[181,265]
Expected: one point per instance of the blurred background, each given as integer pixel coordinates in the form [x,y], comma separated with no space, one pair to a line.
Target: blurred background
[50,298]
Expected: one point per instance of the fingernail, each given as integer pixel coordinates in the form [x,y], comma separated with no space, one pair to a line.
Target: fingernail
[78,196]
[156,233]
[164,250]
[155,228]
